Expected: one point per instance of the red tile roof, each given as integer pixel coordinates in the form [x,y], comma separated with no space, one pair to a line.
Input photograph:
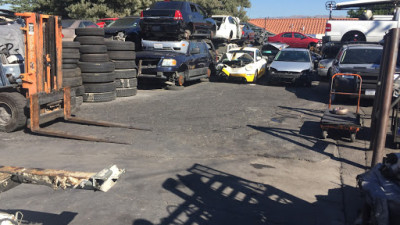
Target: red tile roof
[302,25]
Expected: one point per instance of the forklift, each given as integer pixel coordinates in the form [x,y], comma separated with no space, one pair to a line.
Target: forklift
[31,87]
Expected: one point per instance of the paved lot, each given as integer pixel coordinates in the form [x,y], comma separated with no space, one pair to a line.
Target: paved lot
[219,153]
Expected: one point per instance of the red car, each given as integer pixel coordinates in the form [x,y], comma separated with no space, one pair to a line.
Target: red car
[295,40]
[104,22]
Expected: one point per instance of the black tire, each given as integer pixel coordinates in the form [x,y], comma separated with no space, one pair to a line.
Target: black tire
[126,92]
[174,88]
[96,67]
[99,87]
[89,32]
[124,64]
[70,61]
[79,91]
[99,97]
[72,81]
[90,40]
[93,49]
[98,77]
[12,111]
[78,101]
[71,50]
[95,58]
[353,36]
[73,72]
[70,44]
[122,55]
[66,55]
[126,83]
[125,74]
[120,46]
[69,66]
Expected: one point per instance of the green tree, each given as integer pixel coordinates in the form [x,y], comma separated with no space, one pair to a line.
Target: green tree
[228,7]
[386,9]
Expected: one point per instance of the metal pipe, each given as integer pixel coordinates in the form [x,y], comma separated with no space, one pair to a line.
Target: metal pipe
[387,91]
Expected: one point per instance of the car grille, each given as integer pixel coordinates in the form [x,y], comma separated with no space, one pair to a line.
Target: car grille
[150,63]
[288,73]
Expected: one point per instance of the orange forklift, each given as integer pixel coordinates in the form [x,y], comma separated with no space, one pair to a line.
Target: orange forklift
[40,97]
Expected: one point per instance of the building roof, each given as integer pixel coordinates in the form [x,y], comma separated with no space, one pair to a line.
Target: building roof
[302,25]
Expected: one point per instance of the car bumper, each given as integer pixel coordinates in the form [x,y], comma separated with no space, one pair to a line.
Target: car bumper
[284,77]
[323,72]
[248,76]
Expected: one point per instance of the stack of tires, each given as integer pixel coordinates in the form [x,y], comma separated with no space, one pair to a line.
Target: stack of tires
[97,70]
[71,72]
[123,55]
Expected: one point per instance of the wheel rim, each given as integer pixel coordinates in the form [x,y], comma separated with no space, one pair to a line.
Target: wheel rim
[181,80]
[5,114]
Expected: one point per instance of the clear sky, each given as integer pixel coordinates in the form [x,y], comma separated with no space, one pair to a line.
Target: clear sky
[286,8]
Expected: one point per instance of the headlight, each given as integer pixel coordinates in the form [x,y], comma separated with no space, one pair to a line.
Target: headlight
[321,66]
[168,62]
[249,67]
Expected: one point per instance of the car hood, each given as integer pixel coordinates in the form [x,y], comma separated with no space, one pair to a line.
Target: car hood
[157,54]
[291,66]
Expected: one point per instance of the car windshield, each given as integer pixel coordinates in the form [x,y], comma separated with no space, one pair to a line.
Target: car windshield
[167,5]
[293,56]
[251,53]
[125,22]
[218,20]
[67,23]
[361,56]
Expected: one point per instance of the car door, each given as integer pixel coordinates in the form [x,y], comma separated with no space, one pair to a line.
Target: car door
[287,38]
[192,59]
[300,41]
[231,27]
[196,17]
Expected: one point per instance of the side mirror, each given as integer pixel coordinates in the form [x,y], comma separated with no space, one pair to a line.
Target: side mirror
[195,51]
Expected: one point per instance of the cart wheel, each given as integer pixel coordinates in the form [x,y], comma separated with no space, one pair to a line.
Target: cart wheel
[353,137]
[324,134]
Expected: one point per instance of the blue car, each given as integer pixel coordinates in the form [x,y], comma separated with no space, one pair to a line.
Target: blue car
[125,29]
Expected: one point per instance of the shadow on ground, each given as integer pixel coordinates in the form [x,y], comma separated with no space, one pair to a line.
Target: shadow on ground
[33,217]
[214,197]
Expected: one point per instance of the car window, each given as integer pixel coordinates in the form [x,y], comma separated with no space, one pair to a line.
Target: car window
[81,25]
[167,5]
[258,53]
[293,56]
[203,48]
[193,8]
[231,21]
[202,12]
[192,46]
[361,56]
[287,35]
[297,35]
[89,24]
[67,23]
[218,20]
[125,22]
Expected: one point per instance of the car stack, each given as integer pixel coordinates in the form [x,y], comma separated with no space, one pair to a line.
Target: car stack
[97,70]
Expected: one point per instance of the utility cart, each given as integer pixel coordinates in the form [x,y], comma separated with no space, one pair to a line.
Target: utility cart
[341,119]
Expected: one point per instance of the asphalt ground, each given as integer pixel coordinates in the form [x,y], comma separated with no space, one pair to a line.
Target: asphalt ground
[218,153]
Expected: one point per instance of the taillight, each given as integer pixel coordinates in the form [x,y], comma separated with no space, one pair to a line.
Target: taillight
[178,15]
[242,33]
[141,15]
[328,27]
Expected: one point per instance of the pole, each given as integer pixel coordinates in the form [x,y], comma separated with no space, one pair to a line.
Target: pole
[387,92]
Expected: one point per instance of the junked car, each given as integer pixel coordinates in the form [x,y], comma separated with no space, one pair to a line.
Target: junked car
[292,65]
[245,63]
[228,28]
[125,29]
[271,49]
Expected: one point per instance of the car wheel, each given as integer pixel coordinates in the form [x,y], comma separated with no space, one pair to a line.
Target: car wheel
[255,77]
[353,36]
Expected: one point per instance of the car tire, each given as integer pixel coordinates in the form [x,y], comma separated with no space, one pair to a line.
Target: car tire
[99,97]
[70,45]
[90,40]
[69,66]
[93,49]
[99,87]
[124,64]
[72,81]
[125,74]
[96,67]
[79,90]
[126,83]
[98,77]
[72,72]
[14,104]
[122,55]
[126,92]
[70,61]
[71,55]
[120,46]
[94,58]
[89,32]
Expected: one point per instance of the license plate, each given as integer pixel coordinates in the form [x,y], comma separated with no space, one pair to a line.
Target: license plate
[159,46]
[155,28]
[370,92]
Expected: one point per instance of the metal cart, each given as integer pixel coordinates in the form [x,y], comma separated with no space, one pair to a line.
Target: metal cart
[350,121]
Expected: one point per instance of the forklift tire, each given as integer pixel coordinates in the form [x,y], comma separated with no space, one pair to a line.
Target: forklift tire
[12,111]
[120,46]
[70,44]
[99,87]
[90,40]
[74,72]
[94,58]
[125,74]
[89,32]
[124,64]
[93,49]
[96,67]
[70,61]
[69,66]
[98,77]
[122,55]
[72,81]
[126,83]
[99,97]
[79,91]
[126,92]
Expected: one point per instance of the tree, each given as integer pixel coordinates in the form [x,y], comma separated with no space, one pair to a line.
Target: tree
[230,7]
[386,9]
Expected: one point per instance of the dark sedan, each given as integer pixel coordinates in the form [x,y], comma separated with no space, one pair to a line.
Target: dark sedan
[125,29]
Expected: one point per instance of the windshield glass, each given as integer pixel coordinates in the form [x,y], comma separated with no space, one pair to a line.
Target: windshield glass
[67,23]
[218,20]
[125,22]
[293,56]
[251,53]
[167,5]
[362,56]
